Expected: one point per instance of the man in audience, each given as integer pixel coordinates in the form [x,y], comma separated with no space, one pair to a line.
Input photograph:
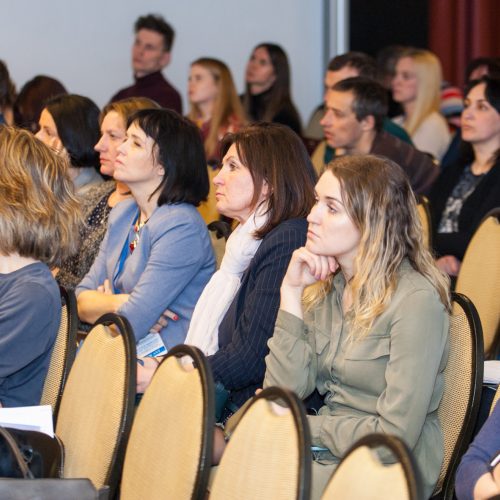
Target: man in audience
[150,54]
[341,67]
[353,122]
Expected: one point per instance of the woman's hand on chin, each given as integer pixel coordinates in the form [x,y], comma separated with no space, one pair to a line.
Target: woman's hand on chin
[306,268]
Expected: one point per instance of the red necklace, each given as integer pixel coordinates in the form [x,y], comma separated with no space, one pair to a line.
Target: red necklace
[137,233]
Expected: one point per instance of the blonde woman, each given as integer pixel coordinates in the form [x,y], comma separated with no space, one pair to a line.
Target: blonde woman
[417,87]
[214,103]
[39,219]
[370,333]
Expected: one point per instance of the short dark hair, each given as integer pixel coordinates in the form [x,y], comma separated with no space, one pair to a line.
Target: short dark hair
[179,149]
[159,25]
[7,87]
[77,121]
[492,95]
[275,154]
[365,64]
[370,98]
[492,65]
[31,100]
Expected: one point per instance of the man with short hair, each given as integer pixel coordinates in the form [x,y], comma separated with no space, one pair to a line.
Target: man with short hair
[353,122]
[150,54]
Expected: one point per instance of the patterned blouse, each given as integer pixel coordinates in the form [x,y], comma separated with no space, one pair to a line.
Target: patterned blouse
[463,189]
[96,210]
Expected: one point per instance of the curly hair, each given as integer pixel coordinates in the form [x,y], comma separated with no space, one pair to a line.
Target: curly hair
[380,202]
[39,215]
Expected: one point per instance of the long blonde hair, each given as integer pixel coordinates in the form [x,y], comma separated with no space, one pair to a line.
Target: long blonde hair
[227,106]
[429,77]
[39,213]
[379,200]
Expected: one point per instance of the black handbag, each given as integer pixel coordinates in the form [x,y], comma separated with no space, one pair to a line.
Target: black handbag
[30,454]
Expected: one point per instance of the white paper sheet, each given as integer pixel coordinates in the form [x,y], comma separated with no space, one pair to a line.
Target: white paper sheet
[492,372]
[32,418]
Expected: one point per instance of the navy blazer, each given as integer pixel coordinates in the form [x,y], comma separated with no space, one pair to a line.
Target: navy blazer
[249,322]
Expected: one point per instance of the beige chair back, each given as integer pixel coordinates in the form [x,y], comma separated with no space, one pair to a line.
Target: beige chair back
[98,401]
[424,214]
[269,453]
[463,377]
[63,353]
[363,476]
[170,447]
[479,277]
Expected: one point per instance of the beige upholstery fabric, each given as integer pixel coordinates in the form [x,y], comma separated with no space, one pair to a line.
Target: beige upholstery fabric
[479,277]
[457,385]
[54,378]
[92,405]
[261,460]
[423,213]
[163,452]
[361,476]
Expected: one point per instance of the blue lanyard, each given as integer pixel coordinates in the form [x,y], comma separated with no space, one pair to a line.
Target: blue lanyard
[124,254]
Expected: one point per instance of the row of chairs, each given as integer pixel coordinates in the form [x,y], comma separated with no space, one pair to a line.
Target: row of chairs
[170,442]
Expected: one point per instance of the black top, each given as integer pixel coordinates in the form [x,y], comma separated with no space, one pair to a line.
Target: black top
[484,198]
[286,115]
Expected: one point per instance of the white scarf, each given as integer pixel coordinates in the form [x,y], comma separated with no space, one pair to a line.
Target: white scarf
[221,289]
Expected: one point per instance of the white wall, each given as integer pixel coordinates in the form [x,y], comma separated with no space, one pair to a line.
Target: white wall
[86,44]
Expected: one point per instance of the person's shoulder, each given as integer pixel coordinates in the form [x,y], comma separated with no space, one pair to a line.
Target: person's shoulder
[411,281]
[123,211]
[170,215]
[289,234]
[34,284]
[436,122]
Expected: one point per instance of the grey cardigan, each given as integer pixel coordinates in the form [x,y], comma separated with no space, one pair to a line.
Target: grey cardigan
[389,381]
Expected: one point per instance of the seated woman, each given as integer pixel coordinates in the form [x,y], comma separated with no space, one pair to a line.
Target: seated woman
[39,219]
[156,252]
[267,96]
[31,99]
[467,190]
[69,124]
[478,475]
[417,87]
[215,105]
[266,183]
[101,198]
[370,333]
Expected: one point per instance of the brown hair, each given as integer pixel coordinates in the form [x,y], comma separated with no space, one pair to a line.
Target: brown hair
[39,214]
[127,107]
[227,104]
[275,154]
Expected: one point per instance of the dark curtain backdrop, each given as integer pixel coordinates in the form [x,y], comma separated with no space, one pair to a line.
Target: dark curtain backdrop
[461,30]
